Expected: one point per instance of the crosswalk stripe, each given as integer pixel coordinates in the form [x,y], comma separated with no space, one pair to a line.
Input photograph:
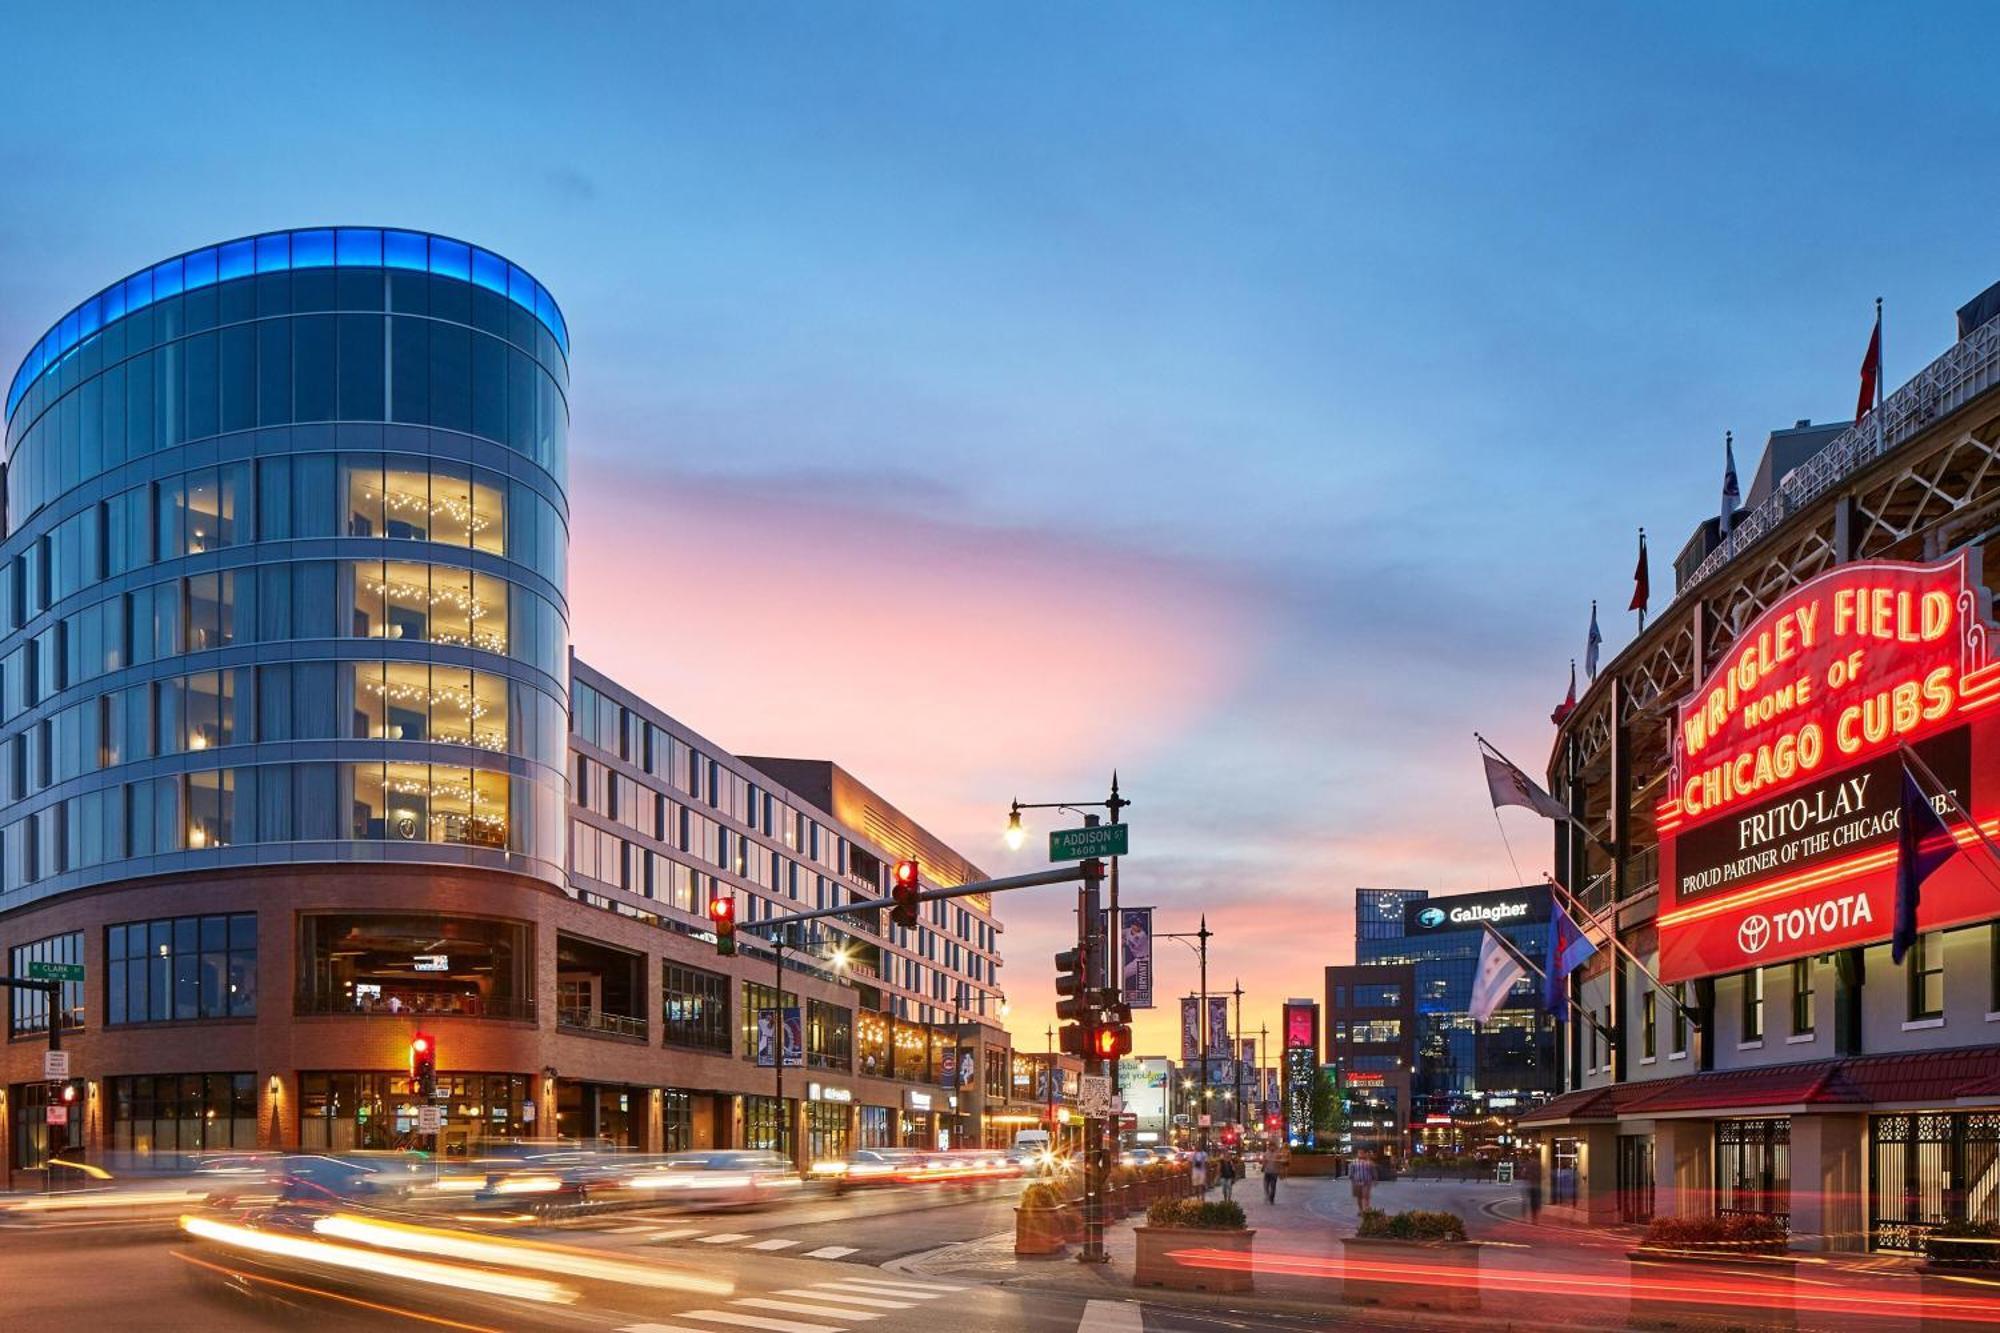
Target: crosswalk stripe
[758,1321]
[927,1293]
[661,1328]
[830,1252]
[874,1300]
[675,1235]
[799,1307]
[725,1237]
[1111,1317]
[773,1245]
[633,1231]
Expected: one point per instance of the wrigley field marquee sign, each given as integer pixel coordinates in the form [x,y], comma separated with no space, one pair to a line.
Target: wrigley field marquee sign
[1778,830]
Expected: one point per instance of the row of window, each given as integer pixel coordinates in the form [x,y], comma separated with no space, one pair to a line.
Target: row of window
[399,601]
[277,372]
[275,803]
[280,499]
[210,710]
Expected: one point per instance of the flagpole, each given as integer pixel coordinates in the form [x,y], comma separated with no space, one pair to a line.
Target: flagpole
[1649,580]
[1618,946]
[1910,756]
[1881,379]
[1602,845]
[1515,953]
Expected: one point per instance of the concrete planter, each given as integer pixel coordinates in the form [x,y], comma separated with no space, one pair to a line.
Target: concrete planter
[1410,1274]
[1222,1264]
[1313,1164]
[1039,1233]
[1759,1290]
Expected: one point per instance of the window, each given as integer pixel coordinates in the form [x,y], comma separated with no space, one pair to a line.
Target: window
[1377,997]
[755,997]
[1802,998]
[829,1035]
[1680,1019]
[764,1126]
[1753,1004]
[181,1112]
[29,1009]
[1649,1025]
[696,1008]
[381,964]
[178,968]
[342,1112]
[1378,1030]
[1925,965]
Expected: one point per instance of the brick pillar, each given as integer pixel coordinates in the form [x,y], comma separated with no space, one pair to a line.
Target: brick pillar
[1684,1168]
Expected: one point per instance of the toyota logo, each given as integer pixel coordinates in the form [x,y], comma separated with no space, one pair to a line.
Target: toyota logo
[1754,934]
[1431,918]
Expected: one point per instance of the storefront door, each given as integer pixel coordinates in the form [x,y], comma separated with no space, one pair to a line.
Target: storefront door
[1635,1177]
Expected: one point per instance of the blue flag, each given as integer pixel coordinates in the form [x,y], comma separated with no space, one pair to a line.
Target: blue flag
[1567,951]
[1923,844]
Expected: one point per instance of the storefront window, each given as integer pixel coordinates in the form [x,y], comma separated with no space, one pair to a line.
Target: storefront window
[343,1112]
[430,803]
[182,1113]
[826,1131]
[829,1036]
[875,1126]
[764,1126]
[414,965]
[676,1120]
[871,1040]
[1753,1167]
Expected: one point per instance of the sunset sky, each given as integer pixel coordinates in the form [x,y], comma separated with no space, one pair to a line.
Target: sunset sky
[1249,397]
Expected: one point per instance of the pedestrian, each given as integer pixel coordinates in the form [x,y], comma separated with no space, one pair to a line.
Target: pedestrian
[1361,1179]
[1198,1176]
[1530,1170]
[1273,1163]
[1226,1172]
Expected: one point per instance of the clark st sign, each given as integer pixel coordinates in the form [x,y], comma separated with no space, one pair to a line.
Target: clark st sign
[1778,832]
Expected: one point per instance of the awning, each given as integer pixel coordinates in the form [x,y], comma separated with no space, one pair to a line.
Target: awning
[1936,1078]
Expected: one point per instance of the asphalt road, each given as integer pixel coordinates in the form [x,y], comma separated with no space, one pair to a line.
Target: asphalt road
[808,1266]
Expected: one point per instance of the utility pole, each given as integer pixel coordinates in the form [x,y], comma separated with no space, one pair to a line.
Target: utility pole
[1049,1091]
[1201,1034]
[784,1121]
[1114,956]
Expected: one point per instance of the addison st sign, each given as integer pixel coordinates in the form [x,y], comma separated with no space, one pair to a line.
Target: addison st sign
[1778,835]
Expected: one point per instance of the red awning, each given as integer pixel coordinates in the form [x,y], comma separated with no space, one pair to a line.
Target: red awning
[1778,1085]
[1583,1104]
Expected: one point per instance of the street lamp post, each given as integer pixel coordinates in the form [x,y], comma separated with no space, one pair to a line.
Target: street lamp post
[1238,1110]
[1201,1014]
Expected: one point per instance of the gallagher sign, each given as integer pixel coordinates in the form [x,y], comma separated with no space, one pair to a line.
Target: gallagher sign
[1778,835]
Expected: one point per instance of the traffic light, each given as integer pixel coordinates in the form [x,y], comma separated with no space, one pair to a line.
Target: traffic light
[1112,1040]
[903,889]
[1274,1124]
[722,911]
[424,1063]
[70,1093]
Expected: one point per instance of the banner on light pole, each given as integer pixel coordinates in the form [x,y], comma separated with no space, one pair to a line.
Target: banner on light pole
[1135,951]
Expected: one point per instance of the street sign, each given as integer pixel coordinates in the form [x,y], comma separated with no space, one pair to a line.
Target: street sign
[430,1119]
[1096,1098]
[58,1115]
[55,1066]
[55,971]
[1077,844]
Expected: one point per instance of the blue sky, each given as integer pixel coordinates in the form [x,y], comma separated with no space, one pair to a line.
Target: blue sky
[1253,397]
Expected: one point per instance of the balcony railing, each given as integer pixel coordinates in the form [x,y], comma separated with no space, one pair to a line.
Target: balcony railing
[407,1005]
[596,1021]
[1968,368]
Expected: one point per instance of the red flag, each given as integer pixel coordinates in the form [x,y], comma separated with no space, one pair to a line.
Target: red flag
[1563,709]
[1641,585]
[1871,368]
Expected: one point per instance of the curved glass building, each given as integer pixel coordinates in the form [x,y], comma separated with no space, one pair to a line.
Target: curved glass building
[283,578]
[295,763]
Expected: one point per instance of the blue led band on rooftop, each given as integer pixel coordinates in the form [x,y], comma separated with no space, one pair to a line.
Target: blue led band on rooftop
[275,252]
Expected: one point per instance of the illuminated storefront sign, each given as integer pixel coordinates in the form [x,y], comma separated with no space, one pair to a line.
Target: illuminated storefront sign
[1472,911]
[1301,1024]
[1778,838]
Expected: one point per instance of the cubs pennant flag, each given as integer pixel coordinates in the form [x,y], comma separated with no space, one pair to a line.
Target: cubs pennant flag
[1591,644]
[1923,845]
[1568,949]
[1871,368]
[1731,497]
[1642,583]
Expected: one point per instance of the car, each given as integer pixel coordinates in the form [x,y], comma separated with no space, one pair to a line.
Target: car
[720,1178]
[870,1166]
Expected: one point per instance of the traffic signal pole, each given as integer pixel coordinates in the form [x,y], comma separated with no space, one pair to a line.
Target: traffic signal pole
[53,990]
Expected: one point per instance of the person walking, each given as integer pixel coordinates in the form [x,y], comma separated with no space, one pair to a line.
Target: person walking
[1198,1175]
[1530,1171]
[1361,1179]
[1273,1163]
[1226,1172]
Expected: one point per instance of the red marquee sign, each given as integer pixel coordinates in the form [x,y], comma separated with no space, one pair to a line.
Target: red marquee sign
[1778,832]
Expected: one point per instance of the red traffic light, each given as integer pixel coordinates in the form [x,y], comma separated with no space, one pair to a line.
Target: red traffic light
[903,888]
[1107,1041]
[68,1093]
[906,874]
[420,1044]
[722,908]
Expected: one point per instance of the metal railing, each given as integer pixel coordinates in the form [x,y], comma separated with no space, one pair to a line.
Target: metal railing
[408,1005]
[1968,368]
[594,1020]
